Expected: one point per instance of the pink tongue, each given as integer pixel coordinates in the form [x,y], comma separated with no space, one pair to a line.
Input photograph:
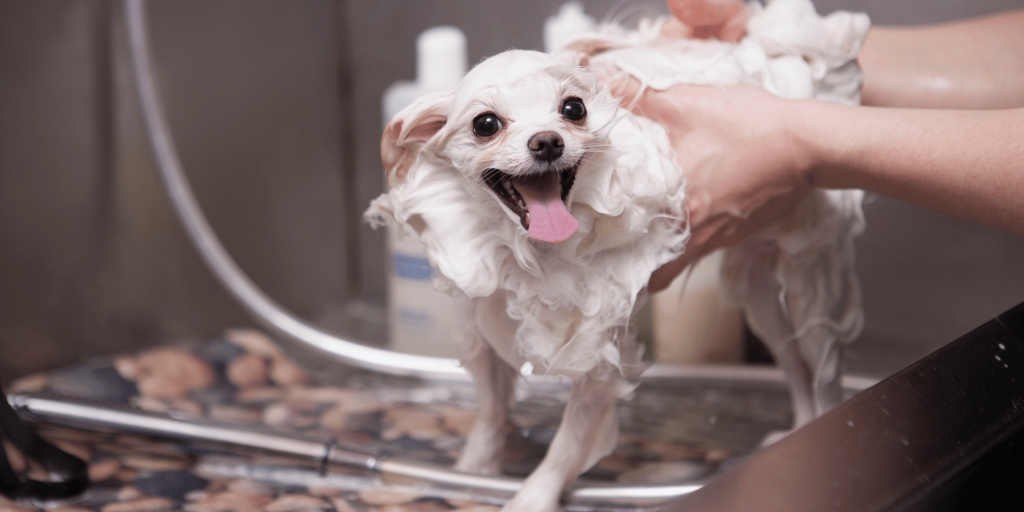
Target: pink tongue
[549,220]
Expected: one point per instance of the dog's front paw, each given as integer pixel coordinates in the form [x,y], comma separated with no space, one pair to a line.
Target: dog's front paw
[524,502]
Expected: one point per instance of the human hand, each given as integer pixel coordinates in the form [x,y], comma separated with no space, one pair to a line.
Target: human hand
[741,152]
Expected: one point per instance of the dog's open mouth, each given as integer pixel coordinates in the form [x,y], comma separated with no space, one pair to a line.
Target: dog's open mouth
[538,200]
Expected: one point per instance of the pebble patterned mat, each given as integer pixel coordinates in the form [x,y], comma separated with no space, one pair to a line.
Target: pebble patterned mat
[669,435]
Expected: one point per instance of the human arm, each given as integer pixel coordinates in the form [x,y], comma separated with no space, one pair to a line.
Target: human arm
[971,64]
[750,156]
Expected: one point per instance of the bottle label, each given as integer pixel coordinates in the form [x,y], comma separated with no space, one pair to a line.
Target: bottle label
[411,267]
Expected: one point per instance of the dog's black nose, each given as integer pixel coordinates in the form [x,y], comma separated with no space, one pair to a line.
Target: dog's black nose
[546,146]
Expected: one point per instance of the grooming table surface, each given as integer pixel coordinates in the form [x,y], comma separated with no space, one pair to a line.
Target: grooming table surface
[670,433]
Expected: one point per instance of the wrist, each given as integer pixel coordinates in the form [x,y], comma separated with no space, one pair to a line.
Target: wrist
[817,131]
[811,151]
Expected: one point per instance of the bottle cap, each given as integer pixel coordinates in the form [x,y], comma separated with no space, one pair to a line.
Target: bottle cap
[440,58]
[568,24]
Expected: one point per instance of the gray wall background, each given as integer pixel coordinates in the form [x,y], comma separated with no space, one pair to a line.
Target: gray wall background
[276,110]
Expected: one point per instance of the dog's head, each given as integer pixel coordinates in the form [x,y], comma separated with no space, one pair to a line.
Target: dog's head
[519,125]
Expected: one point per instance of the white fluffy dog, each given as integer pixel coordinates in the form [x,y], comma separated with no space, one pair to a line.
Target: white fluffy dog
[487,176]
[549,206]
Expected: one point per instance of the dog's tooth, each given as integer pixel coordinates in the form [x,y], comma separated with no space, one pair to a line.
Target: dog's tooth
[507,184]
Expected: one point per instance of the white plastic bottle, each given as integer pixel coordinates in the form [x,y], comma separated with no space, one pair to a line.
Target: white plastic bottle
[570,23]
[423,321]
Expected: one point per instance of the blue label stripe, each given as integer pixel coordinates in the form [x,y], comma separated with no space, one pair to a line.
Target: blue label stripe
[411,267]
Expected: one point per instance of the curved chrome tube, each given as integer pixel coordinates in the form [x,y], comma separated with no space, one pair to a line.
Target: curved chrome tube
[261,308]
[314,451]
[271,315]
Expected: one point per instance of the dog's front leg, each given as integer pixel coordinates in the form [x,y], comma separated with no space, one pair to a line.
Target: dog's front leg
[495,386]
[588,432]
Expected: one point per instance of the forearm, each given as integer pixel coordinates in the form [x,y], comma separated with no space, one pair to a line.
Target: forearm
[968,164]
[974,64]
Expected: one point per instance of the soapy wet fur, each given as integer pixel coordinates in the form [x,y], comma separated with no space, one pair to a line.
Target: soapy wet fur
[564,305]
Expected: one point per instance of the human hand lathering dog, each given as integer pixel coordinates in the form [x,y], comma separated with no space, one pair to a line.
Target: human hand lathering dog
[751,156]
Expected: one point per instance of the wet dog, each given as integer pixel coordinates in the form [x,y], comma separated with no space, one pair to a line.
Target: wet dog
[549,206]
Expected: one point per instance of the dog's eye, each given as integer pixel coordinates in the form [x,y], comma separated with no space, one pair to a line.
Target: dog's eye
[573,109]
[485,125]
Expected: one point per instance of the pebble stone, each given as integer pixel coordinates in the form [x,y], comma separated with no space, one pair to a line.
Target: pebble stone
[326,395]
[79,450]
[415,423]
[417,506]
[128,493]
[172,372]
[459,420]
[14,456]
[260,395]
[254,342]
[226,501]
[385,496]
[34,382]
[234,414]
[127,475]
[248,487]
[342,505]
[277,415]
[296,503]
[247,371]
[103,470]
[140,505]
[286,373]
[126,367]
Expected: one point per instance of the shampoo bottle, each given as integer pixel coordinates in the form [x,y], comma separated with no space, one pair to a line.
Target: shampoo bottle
[423,321]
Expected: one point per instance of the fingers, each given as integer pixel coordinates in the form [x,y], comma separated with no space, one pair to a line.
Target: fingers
[675,29]
[664,276]
[724,20]
[630,93]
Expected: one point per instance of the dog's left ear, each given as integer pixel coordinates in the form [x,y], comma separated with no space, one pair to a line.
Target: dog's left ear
[409,130]
[573,57]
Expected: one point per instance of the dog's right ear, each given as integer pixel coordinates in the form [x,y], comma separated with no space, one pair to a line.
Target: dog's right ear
[409,130]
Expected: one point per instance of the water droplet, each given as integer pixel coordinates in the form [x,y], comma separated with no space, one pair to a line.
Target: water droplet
[1002,347]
